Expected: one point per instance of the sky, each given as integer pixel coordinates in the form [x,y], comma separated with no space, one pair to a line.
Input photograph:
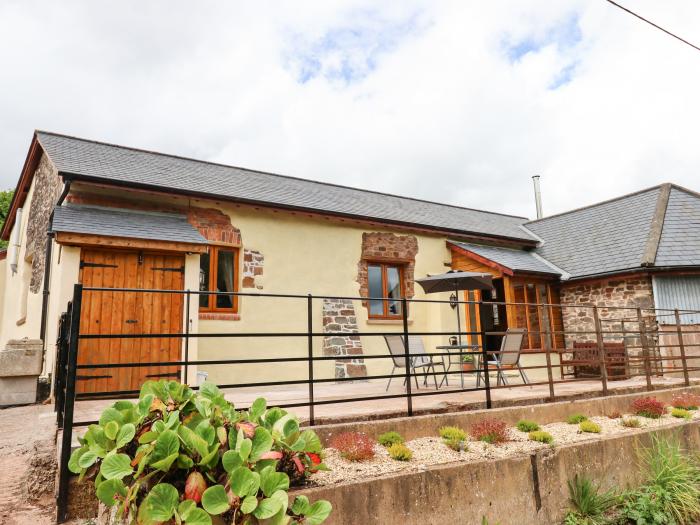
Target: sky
[451,101]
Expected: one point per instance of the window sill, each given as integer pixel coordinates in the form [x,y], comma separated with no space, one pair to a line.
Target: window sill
[388,321]
[218,316]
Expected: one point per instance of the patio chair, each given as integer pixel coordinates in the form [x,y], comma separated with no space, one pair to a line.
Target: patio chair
[418,358]
[508,357]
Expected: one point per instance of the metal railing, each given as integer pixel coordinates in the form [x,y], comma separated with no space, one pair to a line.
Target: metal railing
[637,329]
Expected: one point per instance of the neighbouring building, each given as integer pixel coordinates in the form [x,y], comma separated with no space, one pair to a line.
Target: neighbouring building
[116,217]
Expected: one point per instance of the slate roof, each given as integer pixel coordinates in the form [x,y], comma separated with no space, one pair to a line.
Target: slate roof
[680,236]
[126,166]
[115,222]
[518,260]
[612,236]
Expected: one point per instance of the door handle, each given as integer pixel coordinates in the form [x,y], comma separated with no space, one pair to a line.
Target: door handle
[131,321]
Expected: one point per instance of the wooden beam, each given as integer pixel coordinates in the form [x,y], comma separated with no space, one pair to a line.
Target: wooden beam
[100,241]
[482,260]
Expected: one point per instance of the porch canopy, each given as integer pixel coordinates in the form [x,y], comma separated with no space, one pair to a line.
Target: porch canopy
[455,281]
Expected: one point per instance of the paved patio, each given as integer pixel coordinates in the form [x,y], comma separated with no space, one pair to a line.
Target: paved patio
[428,399]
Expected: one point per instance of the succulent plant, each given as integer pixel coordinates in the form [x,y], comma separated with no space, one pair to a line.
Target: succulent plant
[400,452]
[390,438]
[185,456]
[541,436]
[649,407]
[589,427]
[527,426]
[681,413]
[575,419]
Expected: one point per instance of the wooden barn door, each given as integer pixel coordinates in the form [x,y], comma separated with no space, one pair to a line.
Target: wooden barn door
[106,312]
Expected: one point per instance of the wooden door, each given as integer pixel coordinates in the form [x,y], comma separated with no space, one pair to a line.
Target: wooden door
[129,313]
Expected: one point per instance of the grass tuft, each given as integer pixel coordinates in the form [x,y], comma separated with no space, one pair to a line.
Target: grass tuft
[575,419]
[589,427]
[541,436]
[400,452]
[631,422]
[390,438]
[527,426]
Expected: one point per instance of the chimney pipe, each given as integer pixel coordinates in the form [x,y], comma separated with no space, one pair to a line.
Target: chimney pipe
[538,195]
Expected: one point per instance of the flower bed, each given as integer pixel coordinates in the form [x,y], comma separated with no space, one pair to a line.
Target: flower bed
[429,451]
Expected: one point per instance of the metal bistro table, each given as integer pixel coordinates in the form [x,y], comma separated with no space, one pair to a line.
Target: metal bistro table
[459,350]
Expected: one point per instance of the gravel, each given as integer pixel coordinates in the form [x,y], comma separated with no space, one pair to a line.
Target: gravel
[428,451]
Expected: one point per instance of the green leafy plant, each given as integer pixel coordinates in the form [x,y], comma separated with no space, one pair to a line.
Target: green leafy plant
[493,431]
[649,407]
[631,422]
[454,437]
[575,419]
[589,427]
[588,505]
[400,452]
[527,426]
[672,492]
[468,359]
[390,438]
[541,436]
[353,446]
[185,456]
[681,413]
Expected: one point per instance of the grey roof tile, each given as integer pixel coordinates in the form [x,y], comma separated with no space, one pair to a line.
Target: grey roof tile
[520,260]
[680,235]
[118,164]
[116,222]
[606,237]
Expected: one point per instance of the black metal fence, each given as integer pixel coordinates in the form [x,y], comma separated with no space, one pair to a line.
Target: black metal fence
[648,352]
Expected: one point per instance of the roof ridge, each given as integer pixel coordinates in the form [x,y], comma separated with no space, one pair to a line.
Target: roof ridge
[588,206]
[191,159]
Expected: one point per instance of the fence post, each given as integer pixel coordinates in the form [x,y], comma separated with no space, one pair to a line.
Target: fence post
[548,356]
[310,341]
[601,350]
[407,357]
[66,438]
[484,357]
[645,347]
[187,333]
[681,346]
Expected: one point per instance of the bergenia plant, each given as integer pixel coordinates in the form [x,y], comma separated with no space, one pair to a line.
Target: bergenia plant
[184,457]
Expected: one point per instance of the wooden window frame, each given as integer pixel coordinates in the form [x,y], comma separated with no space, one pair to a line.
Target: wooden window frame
[385,293]
[213,277]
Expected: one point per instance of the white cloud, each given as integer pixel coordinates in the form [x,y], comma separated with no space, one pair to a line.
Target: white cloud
[452,101]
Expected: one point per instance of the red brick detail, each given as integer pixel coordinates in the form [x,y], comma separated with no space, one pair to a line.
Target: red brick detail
[214,225]
[378,247]
[217,316]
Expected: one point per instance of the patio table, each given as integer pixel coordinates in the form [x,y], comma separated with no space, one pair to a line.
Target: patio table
[460,350]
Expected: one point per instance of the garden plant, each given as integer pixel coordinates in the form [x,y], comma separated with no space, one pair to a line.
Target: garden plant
[575,419]
[541,436]
[390,438]
[400,452]
[493,431]
[525,425]
[183,457]
[589,427]
[686,400]
[353,446]
[648,407]
[454,437]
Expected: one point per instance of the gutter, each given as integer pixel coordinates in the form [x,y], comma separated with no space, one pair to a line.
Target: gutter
[47,265]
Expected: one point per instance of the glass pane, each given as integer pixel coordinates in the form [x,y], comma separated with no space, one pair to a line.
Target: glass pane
[203,279]
[393,286]
[224,278]
[374,279]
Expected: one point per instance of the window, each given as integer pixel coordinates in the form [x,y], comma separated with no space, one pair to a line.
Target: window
[218,272]
[385,280]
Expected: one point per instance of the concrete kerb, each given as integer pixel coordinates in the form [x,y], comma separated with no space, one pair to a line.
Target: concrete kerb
[526,489]
[428,425]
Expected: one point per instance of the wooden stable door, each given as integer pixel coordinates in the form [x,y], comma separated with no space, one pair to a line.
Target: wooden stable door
[129,313]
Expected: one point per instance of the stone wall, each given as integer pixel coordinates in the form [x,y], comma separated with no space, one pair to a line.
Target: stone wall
[253,263]
[631,292]
[379,246]
[339,316]
[47,188]
[214,225]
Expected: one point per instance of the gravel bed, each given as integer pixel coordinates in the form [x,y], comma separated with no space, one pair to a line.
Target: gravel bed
[430,451]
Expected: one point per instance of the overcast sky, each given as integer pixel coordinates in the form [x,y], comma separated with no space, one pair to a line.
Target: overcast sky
[458,102]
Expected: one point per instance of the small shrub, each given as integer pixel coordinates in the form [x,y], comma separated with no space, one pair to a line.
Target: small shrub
[615,414]
[453,433]
[390,438]
[648,407]
[456,444]
[400,452]
[588,505]
[631,422]
[527,426]
[575,419]
[686,400]
[353,446]
[541,436]
[589,427]
[491,431]
[681,413]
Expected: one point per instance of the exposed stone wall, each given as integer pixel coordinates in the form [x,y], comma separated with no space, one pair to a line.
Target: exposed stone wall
[339,316]
[214,225]
[632,292]
[253,263]
[379,246]
[47,188]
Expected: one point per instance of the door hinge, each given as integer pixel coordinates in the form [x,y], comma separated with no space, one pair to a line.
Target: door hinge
[181,269]
[84,264]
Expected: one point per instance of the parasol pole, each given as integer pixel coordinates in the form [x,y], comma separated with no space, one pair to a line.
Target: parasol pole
[459,337]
